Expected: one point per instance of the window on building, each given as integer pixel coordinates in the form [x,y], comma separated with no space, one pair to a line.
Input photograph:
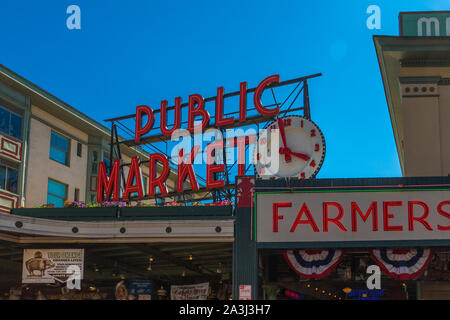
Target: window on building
[8,178]
[76,196]
[79,149]
[107,162]
[56,193]
[59,148]
[10,123]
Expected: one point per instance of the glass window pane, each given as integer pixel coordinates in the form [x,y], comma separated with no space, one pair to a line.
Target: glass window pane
[57,189]
[4,121]
[16,126]
[11,180]
[59,141]
[2,177]
[58,155]
[107,162]
[58,202]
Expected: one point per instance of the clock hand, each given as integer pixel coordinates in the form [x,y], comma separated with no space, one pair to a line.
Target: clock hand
[283,134]
[283,150]
[299,155]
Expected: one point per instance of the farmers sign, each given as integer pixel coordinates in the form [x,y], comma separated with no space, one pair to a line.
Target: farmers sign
[52,265]
[393,215]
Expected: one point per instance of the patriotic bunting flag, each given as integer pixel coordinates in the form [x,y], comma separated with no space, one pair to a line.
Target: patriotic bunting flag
[313,263]
[407,264]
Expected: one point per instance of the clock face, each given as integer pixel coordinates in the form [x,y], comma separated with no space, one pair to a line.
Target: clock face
[299,149]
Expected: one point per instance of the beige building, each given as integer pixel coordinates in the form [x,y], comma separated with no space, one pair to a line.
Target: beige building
[415,68]
[49,151]
[416,77]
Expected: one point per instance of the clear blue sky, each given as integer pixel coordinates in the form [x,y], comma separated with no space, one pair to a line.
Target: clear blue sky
[129,53]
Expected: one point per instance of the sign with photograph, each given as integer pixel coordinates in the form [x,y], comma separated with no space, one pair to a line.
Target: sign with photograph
[52,265]
[190,292]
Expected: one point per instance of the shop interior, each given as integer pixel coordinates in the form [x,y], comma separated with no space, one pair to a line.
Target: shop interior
[348,280]
[106,265]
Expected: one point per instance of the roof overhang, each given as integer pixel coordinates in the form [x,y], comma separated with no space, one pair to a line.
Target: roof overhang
[23,229]
[395,53]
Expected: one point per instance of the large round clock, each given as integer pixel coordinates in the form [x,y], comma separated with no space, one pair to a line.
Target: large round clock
[300,149]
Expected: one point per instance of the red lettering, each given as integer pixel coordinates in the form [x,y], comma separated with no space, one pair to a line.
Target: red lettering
[421,219]
[196,99]
[257,96]
[243,102]
[276,217]
[444,214]
[211,168]
[158,181]
[210,182]
[186,169]
[326,219]
[108,184]
[220,121]
[140,131]
[134,172]
[241,143]
[372,209]
[310,220]
[163,124]
[387,215]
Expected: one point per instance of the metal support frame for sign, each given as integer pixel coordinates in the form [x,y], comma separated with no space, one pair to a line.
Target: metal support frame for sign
[147,143]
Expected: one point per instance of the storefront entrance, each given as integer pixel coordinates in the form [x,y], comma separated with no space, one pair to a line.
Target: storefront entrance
[344,239]
[123,253]
[348,280]
[106,265]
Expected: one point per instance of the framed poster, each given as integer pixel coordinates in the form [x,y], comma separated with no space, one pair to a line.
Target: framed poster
[52,265]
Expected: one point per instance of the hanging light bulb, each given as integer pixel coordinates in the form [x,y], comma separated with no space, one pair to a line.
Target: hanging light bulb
[219,268]
[151,259]
[190,257]
[183,273]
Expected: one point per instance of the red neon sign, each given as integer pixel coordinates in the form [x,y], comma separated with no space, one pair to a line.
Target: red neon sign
[109,186]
